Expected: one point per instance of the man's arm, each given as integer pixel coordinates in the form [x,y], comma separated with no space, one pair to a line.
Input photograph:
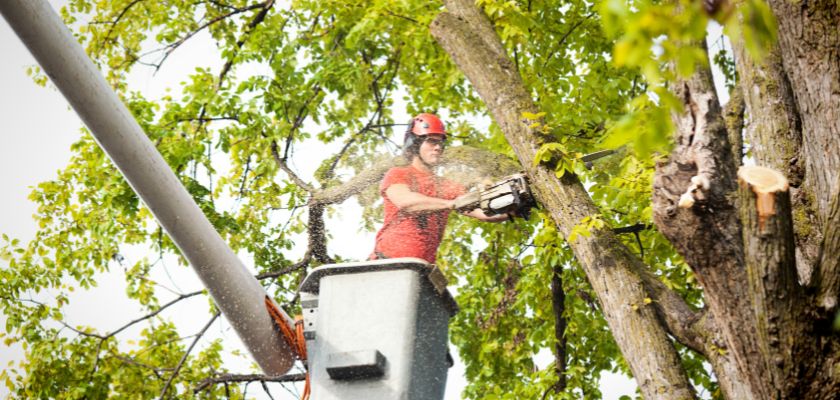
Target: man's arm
[409,201]
[481,216]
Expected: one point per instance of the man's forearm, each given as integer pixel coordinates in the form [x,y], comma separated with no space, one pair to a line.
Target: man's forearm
[409,201]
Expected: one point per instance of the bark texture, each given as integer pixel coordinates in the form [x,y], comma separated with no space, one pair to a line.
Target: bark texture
[467,35]
[756,266]
[774,132]
[777,298]
[692,200]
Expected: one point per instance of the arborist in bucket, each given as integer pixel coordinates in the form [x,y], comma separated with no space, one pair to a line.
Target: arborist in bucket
[417,202]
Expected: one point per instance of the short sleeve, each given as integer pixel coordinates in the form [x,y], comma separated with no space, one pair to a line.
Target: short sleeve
[393,176]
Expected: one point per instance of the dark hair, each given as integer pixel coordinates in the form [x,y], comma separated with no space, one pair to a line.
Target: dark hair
[411,143]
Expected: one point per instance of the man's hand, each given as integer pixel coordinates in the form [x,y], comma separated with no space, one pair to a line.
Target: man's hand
[481,216]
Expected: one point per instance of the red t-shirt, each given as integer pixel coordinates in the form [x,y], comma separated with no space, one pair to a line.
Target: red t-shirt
[413,234]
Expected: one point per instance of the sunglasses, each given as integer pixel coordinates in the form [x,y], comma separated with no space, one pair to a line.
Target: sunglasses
[435,141]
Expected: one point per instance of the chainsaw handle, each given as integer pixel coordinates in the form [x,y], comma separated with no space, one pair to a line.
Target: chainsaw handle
[467,202]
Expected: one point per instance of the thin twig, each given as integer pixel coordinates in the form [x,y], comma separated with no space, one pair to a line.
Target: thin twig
[170,48]
[307,258]
[186,354]
[114,23]
[283,166]
[156,312]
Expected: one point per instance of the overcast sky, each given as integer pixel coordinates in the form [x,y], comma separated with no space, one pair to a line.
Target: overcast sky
[37,127]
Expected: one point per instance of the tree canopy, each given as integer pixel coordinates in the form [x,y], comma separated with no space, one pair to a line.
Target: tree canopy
[336,75]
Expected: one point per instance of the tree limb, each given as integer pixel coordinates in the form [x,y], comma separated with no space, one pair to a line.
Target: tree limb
[679,318]
[775,127]
[170,48]
[114,23]
[283,166]
[129,324]
[303,263]
[156,312]
[733,114]
[558,304]
[259,18]
[229,378]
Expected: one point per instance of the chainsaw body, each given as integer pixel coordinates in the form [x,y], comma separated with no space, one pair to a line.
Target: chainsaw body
[511,195]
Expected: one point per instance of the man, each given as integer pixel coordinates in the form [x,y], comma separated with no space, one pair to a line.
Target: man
[417,202]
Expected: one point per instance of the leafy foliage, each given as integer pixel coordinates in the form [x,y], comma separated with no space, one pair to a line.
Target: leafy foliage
[330,74]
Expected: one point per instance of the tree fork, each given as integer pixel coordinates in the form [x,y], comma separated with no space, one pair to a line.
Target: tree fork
[694,207]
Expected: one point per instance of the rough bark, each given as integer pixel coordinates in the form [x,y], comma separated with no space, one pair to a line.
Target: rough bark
[777,299]
[734,115]
[692,201]
[761,330]
[774,132]
[809,44]
[828,267]
[466,34]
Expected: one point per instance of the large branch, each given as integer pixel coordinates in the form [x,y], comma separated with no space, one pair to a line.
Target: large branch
[466,34]
[809,47]
[679,318]
[239,378]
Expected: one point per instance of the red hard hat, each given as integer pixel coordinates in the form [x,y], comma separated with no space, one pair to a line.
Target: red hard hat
[427,124]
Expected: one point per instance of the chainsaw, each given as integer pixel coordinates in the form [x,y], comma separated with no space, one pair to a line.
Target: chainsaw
[509,195]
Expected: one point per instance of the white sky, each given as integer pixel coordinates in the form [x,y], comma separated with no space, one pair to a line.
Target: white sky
[37,127]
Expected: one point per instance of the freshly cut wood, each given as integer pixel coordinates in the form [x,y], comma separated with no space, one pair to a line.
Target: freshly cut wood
[765,183]
[765,180]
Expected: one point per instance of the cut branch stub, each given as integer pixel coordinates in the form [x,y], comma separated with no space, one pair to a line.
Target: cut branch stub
[765,183]
[776,297]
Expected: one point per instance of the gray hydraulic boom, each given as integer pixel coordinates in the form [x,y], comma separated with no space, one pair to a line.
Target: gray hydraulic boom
[237,293]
